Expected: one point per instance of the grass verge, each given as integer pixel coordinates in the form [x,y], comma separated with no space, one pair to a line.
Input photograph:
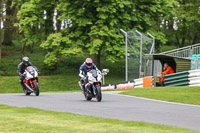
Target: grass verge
[188,95]
[57,83]
[18,120]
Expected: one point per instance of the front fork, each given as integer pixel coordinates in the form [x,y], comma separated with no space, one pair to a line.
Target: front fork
[27,81]
[95,88]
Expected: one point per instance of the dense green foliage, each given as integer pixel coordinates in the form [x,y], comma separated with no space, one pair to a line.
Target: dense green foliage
[65,28]
[182,27]
[95,27]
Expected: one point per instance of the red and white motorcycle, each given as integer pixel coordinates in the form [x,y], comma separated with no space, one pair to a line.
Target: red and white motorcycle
[31,81]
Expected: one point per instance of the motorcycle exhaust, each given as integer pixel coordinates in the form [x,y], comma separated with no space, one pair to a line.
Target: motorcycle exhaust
[29,87]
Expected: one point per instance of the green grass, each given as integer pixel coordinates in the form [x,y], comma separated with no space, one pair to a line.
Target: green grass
[19,120]
[11,57]
[63,78]
[189,95]
[57,83]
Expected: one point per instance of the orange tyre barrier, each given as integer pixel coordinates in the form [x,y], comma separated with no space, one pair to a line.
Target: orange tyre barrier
[147,82]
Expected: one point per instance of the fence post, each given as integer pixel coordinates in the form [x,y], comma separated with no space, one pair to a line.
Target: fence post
[140,68]
[126,56]
[152,51]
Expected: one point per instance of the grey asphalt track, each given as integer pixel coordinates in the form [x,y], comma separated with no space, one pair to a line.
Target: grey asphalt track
[112,106]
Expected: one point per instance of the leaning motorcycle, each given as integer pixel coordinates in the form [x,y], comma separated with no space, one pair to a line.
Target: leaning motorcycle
[92,87]
[31,81]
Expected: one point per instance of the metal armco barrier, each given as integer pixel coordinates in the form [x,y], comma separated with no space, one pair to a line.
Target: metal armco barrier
[177,79]
[109,87]
[194,77]
[145,82]
[186,78]
[138,83]
[125,86]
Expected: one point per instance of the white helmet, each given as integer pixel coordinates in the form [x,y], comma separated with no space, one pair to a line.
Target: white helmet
[88,61]
[25,61]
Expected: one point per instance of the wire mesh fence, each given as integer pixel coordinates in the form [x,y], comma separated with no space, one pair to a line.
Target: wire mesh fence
[138,45]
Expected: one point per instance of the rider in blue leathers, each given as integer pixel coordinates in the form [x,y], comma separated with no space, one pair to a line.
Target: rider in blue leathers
[85,67]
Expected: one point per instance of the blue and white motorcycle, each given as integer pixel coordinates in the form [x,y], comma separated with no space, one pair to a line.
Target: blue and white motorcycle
[93,85]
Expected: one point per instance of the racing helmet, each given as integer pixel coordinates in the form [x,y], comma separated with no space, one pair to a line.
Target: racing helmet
[25,61]
[88,61]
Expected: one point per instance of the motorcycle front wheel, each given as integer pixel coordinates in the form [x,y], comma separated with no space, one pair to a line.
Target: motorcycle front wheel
[36,88]
[99,94]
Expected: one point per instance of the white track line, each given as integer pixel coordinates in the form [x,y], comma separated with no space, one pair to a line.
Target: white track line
[183,104]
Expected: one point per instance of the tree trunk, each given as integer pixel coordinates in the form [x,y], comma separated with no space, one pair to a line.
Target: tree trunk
[194,40]
[8,24]
[97,59]
[177,39]
[184,32]
[49,22]
[58,23]
[1,15]
[183,42]
[0,37]
[14,20]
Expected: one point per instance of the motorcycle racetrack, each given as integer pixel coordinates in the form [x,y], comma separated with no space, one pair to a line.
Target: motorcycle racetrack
[112,106]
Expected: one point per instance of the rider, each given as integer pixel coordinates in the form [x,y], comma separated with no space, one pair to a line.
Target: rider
[21,69]
[85,67]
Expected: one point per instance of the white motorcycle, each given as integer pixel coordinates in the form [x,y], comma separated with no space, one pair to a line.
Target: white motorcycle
[93,86]
[31,81]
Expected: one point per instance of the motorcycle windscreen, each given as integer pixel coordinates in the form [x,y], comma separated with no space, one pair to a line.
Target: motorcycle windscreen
[94,73]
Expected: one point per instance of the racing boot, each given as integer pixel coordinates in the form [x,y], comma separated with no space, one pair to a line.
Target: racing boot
[22,84]
[82,87]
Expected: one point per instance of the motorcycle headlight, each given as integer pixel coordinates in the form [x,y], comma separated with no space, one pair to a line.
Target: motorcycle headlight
[91,79]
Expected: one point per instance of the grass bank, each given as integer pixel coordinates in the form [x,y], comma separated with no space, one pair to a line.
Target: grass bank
[19,120]
[188,95]
[56,83]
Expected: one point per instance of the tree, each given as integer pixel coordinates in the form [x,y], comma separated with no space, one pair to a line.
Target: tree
[1,19]
[10,18]
[182,27]
[58,21]
[36,20]
[96,25]
[187,20]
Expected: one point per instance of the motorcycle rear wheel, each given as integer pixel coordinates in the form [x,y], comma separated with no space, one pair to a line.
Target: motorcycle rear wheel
[99,94]
[36,88]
